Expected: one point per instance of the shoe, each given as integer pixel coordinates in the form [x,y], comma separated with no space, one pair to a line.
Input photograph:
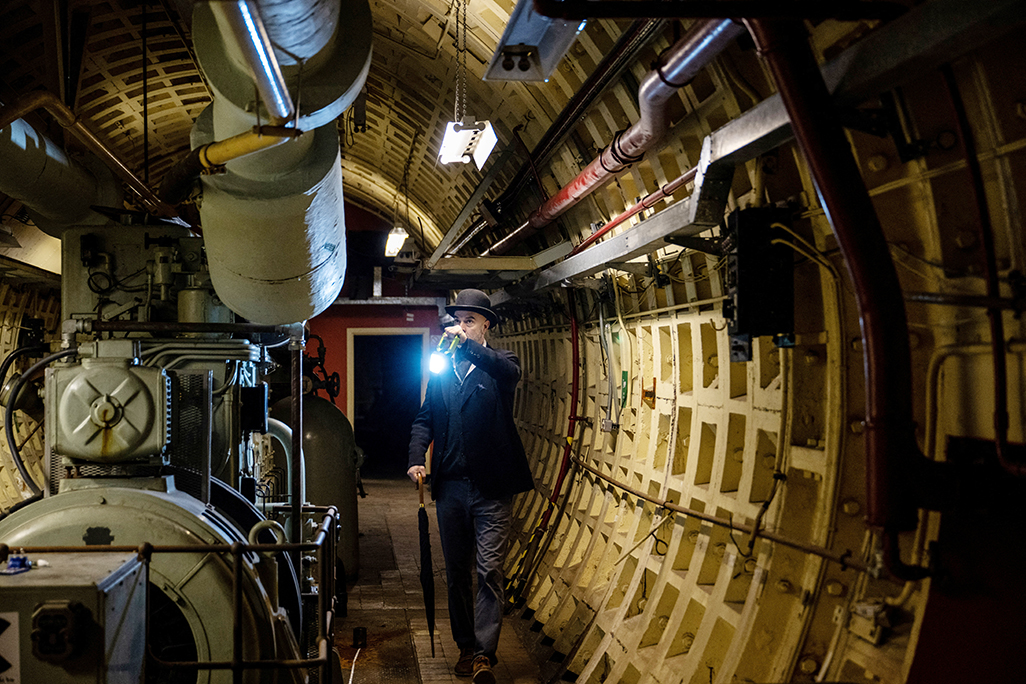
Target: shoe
[465,665]
[483,670]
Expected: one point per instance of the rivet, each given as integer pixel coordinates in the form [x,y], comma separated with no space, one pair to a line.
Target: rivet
[810,357]
[808,665]
[739,455]
[693,536]
[769,461]
[835,588]
[851,507]
[877,163]
[750,565]
[965,239]
[857,426]
[783,586]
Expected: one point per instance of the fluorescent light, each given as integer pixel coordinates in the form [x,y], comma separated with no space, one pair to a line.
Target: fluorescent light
[467,140]
[396,237]
[532,45]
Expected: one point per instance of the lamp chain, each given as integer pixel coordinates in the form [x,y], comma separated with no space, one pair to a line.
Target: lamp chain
[461,61]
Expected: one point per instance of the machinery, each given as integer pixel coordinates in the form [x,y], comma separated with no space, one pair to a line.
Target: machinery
[154,413]
[145,501]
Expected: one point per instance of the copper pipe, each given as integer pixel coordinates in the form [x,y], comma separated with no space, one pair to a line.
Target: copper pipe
[844,560]
[41,99]
[704,41]
[891,450]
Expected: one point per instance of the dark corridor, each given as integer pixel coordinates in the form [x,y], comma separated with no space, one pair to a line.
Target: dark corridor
[387,371]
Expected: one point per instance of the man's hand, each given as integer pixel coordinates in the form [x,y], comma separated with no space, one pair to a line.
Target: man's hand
[455,331]
[416,471]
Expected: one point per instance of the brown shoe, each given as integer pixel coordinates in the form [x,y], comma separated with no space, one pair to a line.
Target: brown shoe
[465,665]
[483,670]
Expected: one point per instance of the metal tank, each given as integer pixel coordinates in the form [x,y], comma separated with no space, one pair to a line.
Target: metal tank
[330,455]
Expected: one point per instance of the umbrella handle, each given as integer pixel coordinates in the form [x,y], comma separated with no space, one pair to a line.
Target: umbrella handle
[420,488]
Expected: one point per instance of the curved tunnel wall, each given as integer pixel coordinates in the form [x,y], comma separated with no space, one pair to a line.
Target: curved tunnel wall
[631,592]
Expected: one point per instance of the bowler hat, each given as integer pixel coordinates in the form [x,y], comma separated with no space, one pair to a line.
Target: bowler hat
[473,300]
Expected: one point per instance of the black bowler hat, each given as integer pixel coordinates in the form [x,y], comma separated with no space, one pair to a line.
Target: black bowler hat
[473,300]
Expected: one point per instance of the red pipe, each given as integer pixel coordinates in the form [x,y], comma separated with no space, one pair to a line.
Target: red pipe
[891,448]
[698,47]
[572,422]
[647,203]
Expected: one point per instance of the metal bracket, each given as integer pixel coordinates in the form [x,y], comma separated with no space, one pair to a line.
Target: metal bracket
[718,246]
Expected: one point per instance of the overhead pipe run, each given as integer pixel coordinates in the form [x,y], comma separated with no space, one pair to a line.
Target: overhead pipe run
[57,190]
[703,41]
[274,223]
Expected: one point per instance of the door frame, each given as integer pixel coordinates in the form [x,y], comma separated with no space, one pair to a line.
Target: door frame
[351,333]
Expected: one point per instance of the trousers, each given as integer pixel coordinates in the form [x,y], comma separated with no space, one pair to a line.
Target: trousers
[472,528]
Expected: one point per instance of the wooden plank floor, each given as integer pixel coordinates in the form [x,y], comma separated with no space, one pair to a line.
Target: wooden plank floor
[387,595]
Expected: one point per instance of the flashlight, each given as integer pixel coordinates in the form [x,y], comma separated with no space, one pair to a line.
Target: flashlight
[439,358]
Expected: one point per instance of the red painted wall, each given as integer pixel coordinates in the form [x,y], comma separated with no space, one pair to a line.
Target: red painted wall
[333,326]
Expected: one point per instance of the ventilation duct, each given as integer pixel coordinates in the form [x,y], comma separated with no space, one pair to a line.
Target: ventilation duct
[273,223]
[56,190]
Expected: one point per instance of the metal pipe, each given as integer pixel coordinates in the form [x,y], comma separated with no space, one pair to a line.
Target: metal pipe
[951,299]
[704,41]
[283,433]
[693,9]
[86,325]
[890,430]
[241,20]
[619,57]
[647,203]
[296,347]
[844,560]
[995,315]
[40,99]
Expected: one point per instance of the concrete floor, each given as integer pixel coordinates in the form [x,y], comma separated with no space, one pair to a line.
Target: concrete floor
[387,600]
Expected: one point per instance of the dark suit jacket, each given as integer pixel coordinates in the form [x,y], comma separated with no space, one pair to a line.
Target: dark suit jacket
[495,455]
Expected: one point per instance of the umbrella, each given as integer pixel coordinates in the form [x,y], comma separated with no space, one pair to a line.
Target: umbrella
[427,574]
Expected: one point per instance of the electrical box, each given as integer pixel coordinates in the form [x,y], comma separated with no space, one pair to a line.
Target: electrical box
[760,277]
[74,617]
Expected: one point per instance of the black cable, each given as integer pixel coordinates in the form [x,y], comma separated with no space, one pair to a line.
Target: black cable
[12,399]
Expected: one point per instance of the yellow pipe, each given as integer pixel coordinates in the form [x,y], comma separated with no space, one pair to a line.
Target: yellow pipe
[260,138]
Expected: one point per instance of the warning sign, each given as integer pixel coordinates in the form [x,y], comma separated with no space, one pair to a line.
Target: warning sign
[10,655]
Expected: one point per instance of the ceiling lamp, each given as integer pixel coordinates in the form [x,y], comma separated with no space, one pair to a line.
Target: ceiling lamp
[532,45]
[465,138]
[396,237]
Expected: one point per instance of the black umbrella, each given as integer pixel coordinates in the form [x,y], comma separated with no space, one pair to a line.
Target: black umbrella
[427,574]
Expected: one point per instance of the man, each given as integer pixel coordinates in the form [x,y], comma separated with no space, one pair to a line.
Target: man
[478,465]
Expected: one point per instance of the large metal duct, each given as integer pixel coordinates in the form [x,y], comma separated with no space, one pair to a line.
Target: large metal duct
[56,190]
[273,224]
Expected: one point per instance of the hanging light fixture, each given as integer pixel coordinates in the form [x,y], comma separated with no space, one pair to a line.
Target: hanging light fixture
[465,138]
[396,237]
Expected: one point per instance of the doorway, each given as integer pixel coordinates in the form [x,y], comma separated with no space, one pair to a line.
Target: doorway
[386,385]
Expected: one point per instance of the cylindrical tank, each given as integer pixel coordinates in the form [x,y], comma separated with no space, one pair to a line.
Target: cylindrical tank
[329,448]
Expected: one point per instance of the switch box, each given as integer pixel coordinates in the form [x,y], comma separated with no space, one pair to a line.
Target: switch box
[75,617]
